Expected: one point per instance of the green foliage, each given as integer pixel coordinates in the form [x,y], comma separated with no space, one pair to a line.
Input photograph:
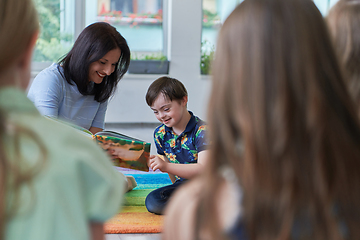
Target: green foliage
[210,19]
[49,50]
[151,56]
[207,56]
[144,15]
[51,44]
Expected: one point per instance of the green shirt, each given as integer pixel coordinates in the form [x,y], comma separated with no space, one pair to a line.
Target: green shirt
[76,185]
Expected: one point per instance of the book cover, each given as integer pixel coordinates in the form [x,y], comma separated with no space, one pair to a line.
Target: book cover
[125,151]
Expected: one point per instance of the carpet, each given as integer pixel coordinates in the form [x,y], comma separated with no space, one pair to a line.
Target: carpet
[134,217]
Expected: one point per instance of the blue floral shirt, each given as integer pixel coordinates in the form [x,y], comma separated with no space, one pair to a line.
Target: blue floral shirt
[184,148]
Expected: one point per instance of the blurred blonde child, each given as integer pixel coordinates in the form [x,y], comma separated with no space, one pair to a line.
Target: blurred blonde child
[54,184]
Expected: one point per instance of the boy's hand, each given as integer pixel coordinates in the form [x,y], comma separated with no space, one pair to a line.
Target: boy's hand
[156,162]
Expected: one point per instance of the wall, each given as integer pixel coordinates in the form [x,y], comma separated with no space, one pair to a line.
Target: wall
[129,106]
[128,111]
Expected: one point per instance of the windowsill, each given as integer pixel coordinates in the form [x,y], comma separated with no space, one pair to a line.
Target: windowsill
[205,77]
[130,76]
[127,76]
[37,67]
[135,20]
[149,67]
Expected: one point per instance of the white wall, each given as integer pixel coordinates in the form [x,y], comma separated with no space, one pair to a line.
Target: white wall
[184,36]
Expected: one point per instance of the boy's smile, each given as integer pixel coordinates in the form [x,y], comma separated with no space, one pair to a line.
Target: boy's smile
[173,114]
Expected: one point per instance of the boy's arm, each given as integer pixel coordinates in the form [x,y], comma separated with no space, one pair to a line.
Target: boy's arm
[171,176]
[186,171]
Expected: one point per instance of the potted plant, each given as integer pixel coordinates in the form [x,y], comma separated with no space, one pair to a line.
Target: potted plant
[149,64]
[207,56]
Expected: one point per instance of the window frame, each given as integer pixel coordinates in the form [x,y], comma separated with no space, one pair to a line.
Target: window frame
[79,16]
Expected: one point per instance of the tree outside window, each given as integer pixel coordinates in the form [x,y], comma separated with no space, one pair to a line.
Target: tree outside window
[214,14]
[52,43]
[139,21]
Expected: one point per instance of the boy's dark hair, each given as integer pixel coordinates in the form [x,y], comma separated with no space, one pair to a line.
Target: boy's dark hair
[172,89]
[93,43]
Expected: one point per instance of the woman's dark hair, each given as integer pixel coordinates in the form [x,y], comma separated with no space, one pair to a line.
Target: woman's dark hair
[95,41]
[172,89]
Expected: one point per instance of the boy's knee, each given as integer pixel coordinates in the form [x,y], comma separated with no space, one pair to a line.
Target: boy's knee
[153,205]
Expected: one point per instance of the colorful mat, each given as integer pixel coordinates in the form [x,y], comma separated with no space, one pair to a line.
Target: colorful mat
[134,217]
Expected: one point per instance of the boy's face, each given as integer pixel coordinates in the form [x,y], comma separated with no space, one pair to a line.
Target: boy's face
[169,112]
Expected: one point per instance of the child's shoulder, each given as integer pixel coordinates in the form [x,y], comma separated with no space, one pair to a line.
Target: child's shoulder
[200,127]
[200,124]
[199,121]
[160,130]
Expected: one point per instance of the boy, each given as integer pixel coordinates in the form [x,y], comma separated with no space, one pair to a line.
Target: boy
[180,139]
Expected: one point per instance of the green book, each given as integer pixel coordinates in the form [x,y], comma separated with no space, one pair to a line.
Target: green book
[125,151]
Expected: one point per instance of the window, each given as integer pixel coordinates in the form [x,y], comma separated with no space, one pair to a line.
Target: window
[214,14]
[61,21]
[324,5]
[139,21]
[56,29]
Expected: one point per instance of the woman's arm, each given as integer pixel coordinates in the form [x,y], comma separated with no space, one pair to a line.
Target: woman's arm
[186,171]
[94,130]
[99,119]
[46,92]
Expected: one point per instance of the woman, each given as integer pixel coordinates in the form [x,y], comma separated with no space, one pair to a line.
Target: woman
[58,186]
[285,160]
[77,88]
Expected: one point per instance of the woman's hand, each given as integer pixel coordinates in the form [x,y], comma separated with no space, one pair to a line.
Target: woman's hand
[94,130]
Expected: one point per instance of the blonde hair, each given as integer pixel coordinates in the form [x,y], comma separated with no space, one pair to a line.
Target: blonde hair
[18,24]
[344,24]
[281,117]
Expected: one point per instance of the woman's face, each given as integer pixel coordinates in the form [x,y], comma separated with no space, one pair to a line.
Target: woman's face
[104,66]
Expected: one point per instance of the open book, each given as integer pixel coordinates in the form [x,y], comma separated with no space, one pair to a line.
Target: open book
[125,151]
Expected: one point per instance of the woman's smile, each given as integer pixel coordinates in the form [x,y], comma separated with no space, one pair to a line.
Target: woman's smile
[101,75]
[105,66]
